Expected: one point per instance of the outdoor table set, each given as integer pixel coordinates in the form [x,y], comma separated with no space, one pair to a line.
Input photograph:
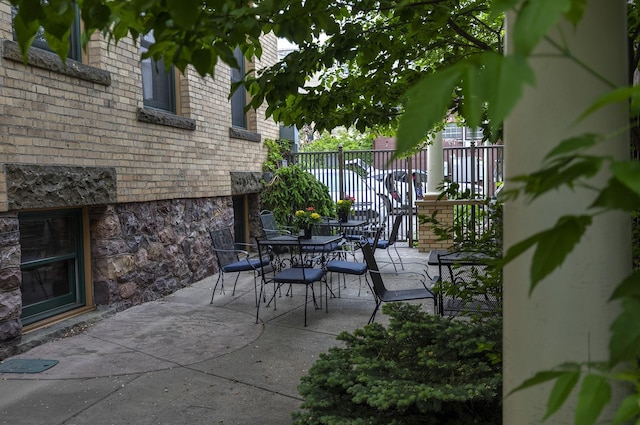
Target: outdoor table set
[292,262]
[459,274]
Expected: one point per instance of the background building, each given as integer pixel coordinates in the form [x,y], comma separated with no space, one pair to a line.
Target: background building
[112,172]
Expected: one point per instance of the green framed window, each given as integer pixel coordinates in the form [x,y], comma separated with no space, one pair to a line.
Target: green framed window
[52,263]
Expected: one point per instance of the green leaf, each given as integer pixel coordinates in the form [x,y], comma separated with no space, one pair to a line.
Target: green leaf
[472,95]
[427,103]
[498,7]
[561,390]
[202,60]
[628,409]
[628,173]
[617,196]
[574,15]
[534,20]
[629,287]
[594,394]
[555,244]
[516,250]
[573,144]
[545,376]
[184,12]
[624,344]
[25,33]
[620,95]
[538,378]
[562,171]
[505,78]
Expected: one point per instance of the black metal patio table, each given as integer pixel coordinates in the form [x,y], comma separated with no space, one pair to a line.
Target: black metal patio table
[296,260]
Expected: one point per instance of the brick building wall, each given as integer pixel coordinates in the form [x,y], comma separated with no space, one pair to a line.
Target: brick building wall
[79,136]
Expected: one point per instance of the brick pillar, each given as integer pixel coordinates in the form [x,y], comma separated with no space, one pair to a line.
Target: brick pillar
[10,280]
[427,239]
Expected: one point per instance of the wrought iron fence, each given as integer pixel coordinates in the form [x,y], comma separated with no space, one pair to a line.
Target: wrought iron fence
[384,186]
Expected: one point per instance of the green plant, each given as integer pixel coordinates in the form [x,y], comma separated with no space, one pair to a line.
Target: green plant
[343,206]
[277,150]
[420,369]
[294,189]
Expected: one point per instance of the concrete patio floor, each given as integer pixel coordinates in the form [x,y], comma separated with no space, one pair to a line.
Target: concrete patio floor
[181,360]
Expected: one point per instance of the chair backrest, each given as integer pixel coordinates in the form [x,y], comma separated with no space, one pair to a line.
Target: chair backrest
[378,285]
[376,238]
[393,237]
[269,224]
[224,246]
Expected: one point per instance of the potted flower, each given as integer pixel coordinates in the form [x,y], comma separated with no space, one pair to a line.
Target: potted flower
[343,208]
[305,219]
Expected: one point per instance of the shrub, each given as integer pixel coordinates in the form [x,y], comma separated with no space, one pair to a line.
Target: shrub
[294,189]
[421,369]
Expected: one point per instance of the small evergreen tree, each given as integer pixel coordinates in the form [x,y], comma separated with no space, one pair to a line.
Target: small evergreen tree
[421,369]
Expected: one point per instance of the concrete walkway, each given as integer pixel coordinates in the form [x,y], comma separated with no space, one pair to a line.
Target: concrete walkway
[181,360]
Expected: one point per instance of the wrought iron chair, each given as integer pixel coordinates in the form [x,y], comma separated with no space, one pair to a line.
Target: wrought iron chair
[354,268]
[298,271]
[233,260]
[383,294]
[270,225]
[388,243]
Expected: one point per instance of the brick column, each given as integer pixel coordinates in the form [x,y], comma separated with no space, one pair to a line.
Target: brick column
[427,239]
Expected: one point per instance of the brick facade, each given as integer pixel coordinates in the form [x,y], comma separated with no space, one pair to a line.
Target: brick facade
[78,135]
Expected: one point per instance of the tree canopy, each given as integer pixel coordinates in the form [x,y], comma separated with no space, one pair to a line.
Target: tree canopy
[365,53]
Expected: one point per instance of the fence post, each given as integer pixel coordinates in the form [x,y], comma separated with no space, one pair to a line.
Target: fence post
[473,183]
[341,170]
[411,185]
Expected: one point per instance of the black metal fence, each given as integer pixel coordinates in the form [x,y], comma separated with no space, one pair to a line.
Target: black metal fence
[383,186]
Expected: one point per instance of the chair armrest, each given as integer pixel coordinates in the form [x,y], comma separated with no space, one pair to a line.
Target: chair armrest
[235,251]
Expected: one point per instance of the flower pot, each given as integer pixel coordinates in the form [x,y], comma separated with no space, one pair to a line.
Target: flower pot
[343,216]
[308,231]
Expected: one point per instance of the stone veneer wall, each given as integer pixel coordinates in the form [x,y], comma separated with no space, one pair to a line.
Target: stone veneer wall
[10,278]
[143,251]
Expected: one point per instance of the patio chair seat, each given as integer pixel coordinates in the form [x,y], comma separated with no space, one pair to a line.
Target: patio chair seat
[230,259]
[335,246]
[346,267]
[249,264]
[298,275]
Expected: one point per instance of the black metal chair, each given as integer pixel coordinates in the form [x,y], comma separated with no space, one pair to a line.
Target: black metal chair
[383,294]
[353,268]
[298,271]
[270,225]
[230,259]
[388,243]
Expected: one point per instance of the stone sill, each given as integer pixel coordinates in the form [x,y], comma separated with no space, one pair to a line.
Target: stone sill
[154,116]
[240,133]
[40,58]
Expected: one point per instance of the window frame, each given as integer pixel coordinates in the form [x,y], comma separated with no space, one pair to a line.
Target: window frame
[40,42]
[75,263]
[238,99]
[162,84]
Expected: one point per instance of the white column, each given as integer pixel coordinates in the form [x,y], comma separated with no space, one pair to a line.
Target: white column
[435,165]
[567,317]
